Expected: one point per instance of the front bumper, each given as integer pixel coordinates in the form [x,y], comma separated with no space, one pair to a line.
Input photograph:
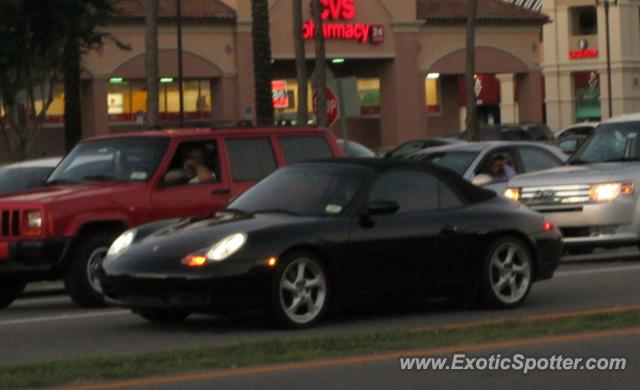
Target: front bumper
[610,224]
[207,293]
[26,257]
[550,249]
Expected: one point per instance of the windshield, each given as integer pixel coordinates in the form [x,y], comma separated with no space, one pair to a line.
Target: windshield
[611,142]
[457,161]
[133,159]
[309,189]
[19,179]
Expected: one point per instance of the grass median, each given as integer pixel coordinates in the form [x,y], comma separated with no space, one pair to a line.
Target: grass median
[91,369]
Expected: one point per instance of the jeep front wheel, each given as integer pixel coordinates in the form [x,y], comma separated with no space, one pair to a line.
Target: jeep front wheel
[81,278]
[9,291]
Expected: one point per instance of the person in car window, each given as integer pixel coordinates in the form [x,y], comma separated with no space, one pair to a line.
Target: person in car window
[195,168]
[500,169]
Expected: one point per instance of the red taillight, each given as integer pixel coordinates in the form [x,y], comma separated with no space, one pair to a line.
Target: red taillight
[548,226]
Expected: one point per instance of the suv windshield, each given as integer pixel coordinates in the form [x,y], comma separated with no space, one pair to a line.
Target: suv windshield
[611,142]
[309,189]
[133,159]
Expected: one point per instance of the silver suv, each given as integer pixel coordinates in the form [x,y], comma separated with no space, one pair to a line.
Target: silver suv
[594,198]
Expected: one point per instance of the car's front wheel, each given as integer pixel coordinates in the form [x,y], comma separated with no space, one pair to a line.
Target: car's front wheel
[163,316]
[81,279]
[300,291]
[507,274]
[9,291]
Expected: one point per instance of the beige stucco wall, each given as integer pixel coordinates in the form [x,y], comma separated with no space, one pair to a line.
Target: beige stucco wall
[208,42]
[625,59]
[520,41]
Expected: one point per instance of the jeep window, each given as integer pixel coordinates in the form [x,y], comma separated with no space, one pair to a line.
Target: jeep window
[251,159]
[132,159]
[195,162]
[611,142]
[298,148]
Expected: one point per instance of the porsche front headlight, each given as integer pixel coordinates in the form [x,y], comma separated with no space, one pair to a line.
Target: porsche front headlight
[227,247]
[122,242]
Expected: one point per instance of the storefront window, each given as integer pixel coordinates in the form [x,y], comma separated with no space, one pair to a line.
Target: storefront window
[584,20]
[126,99]
[587,96]
[369,92]
[432,92]
[55,112]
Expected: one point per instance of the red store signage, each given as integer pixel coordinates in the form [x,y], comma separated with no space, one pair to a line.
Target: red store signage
[585,53]
[345,12]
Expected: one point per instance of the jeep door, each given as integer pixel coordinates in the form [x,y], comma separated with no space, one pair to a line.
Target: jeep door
[195,181]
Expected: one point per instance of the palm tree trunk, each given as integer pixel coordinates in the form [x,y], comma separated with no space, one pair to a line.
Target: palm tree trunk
[151,63]
[301,63]
[470,71]
[262,62]
[321,65]
[72,105]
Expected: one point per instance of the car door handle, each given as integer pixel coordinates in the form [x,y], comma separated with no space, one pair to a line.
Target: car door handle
[449,230]
[222,191]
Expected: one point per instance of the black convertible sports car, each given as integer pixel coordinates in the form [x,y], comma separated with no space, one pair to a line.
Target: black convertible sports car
[313,234]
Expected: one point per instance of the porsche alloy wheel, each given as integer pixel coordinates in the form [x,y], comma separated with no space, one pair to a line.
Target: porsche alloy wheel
[301,291]
[507,274]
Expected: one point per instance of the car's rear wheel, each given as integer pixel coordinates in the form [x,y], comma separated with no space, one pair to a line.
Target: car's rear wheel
[507,274]
[81,278]
[163,316]
[300,291]
[9,291]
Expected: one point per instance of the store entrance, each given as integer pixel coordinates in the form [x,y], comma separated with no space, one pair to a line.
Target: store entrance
[489,114]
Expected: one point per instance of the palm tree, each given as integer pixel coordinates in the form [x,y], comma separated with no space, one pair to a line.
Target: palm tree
[301,63]
[320,83]
[262,62]
[470,71]
[151,62]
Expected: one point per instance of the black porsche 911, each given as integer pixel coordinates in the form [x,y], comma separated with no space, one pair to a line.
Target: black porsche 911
[314,234]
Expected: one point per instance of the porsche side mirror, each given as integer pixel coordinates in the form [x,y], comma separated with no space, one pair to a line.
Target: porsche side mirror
[482,180]
[382,207]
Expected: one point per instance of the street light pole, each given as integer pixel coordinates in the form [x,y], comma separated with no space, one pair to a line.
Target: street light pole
[180,71]
[607,3]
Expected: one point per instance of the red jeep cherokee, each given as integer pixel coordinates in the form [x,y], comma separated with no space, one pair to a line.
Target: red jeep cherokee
[111,183]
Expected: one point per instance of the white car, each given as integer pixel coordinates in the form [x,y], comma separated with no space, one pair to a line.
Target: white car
[25,175]
[473,160]
[582,129]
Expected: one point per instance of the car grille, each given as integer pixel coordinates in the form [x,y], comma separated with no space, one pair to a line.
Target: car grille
[556,195]
[9,223]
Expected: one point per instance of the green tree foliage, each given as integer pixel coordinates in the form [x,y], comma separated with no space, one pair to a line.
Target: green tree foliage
[40,42]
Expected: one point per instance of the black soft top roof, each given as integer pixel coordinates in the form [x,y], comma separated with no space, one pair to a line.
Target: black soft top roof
[470,192]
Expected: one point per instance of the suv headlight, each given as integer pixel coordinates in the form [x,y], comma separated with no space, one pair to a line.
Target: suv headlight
[513,193]
[606,192]
[122,242]
[227,247]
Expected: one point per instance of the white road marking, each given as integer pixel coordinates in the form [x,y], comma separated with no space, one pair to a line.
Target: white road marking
[103,313]
[598,271]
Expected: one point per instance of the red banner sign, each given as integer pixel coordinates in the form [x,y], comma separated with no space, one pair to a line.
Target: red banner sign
[280,94]
[586,53]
